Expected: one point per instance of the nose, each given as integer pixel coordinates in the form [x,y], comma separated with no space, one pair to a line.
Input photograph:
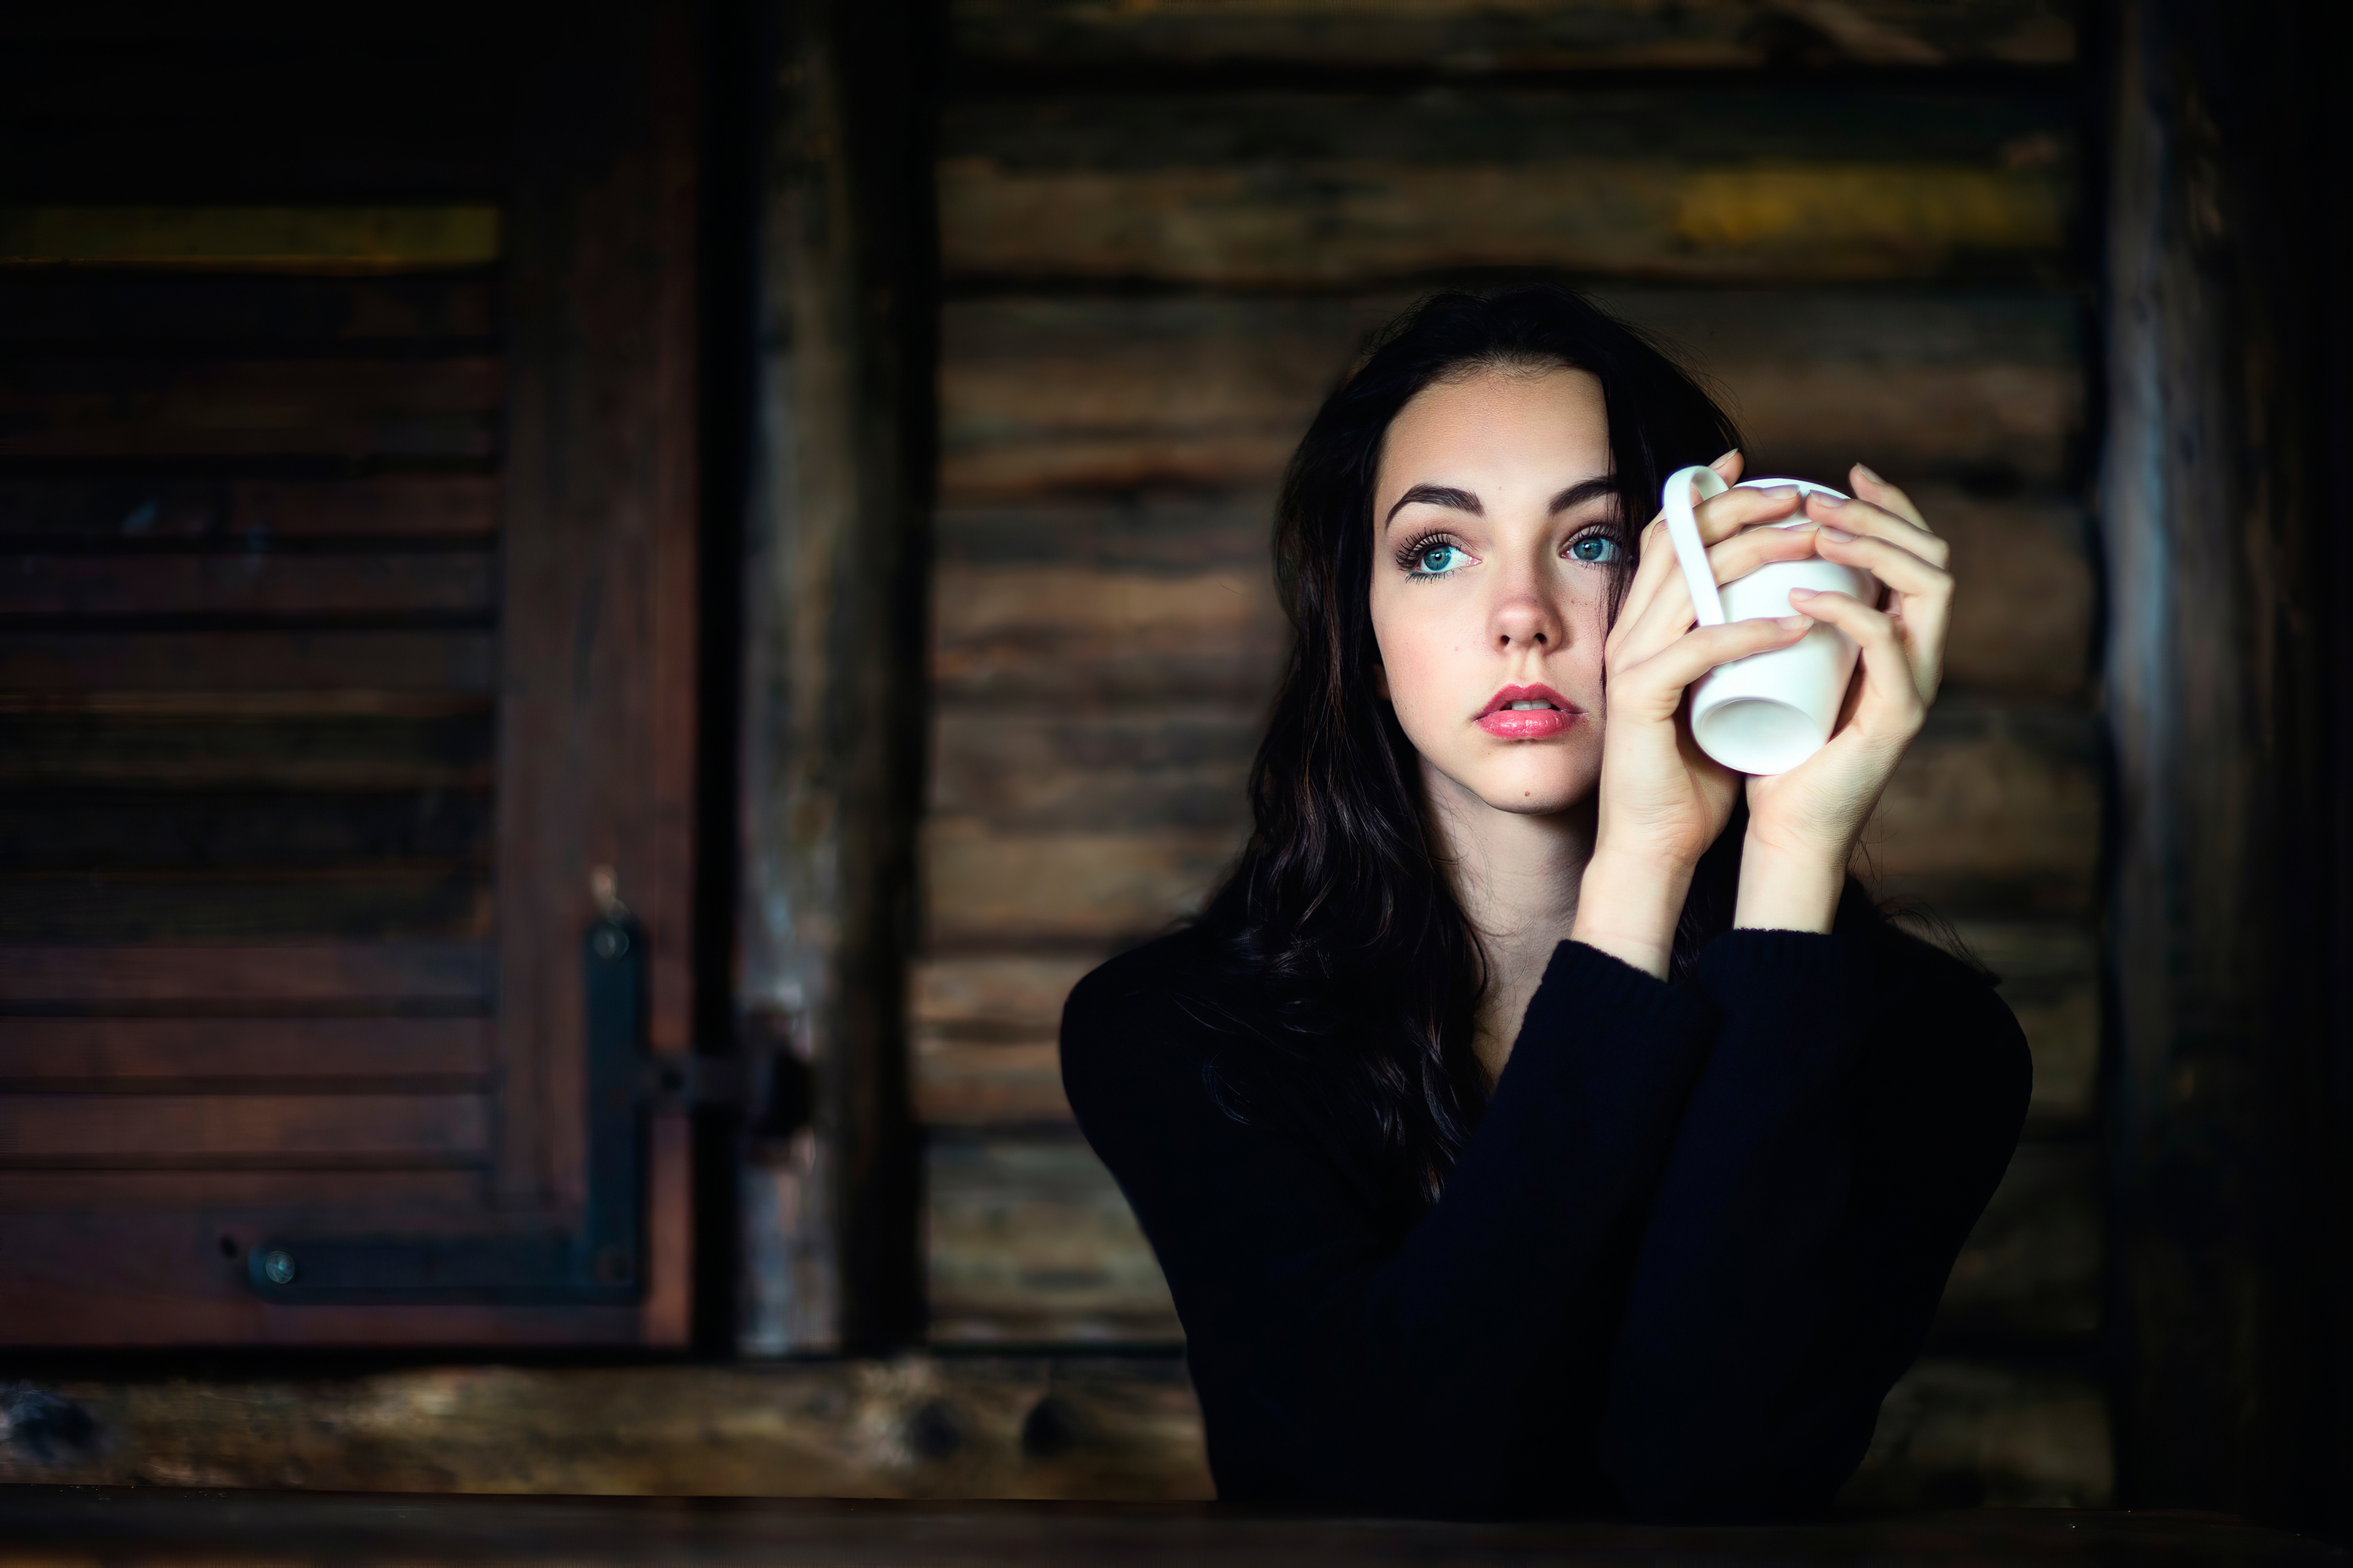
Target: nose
[1524,619]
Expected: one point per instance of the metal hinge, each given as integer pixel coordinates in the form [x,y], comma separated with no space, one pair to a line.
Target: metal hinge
[601,1262]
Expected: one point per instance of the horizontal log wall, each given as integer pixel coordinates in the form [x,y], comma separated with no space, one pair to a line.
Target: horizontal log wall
[1157,270]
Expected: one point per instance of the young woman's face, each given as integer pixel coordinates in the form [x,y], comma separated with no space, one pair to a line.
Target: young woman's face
[1494,525]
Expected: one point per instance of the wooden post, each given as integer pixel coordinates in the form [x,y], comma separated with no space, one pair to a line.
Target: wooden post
[836,629]
[2225,510]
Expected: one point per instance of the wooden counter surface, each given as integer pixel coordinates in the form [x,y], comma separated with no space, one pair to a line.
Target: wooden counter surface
[53,1525]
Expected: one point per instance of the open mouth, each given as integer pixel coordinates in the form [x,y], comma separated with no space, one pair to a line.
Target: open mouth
[1528,713]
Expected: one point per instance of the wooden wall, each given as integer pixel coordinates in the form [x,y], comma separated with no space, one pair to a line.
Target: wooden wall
[1163,233]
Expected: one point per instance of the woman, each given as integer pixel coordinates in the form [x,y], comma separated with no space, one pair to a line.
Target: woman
[1539,1121]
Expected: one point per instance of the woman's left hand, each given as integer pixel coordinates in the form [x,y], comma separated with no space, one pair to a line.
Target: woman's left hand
[1802,824]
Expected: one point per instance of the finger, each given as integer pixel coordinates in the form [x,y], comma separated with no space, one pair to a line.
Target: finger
[1744,553]
[1865,517]
[1729,466]
[1879,492]
[1692,654]
[1721,517]
[1894,674]
[1897,567]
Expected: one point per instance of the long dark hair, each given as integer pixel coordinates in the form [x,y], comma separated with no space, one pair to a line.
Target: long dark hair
[1337,907]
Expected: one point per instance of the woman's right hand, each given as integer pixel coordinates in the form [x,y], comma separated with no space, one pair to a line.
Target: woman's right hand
[1663,800]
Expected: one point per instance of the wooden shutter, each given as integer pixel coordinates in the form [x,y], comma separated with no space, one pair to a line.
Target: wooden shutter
[347,492]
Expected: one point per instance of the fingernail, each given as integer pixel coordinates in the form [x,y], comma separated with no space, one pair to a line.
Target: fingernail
[1791,622]
[1822,500]
[1835,535]
[1734,453]
[1796,594]
[1864,469]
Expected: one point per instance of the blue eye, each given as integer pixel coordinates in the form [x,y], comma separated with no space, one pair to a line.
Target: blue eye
[1595,549]
[1436,560]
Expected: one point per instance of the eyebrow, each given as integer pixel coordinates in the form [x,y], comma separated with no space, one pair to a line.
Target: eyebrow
[1584,490]
[1440,495]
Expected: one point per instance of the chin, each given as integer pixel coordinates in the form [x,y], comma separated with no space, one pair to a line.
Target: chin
[1534,780]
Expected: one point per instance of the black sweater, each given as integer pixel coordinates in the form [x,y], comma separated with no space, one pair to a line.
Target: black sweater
[1696,1238]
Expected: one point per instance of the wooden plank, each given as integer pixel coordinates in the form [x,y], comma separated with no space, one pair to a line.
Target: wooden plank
[238,1205]
[1992,810]
[452,507]
[2025,596]
[1956,1433]
[101,831]
[241,314]
[151,1055]
[1030,1241]
[1151,532]
[251,583]
[1326,190]
[1113,1427]
[444,409]
[328,976]
[995,890]
[2031,1269]
[112,1129]
[419,899]
[1064,633]
[987,1036]
[1167,767]
[1039,396]
[444,662]
[122,747]
[253,238]
[1467,35]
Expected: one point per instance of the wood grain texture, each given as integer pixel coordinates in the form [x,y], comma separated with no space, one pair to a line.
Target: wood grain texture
[1471,36]
[453,663]
[151,1055]
[414,900]
[451,506]
[988,1039]
[122,747]
[114,1129]
[1332,190]
[423,410]
[271,831]
[353,977]
[2032,1267]
[1030,1241]
[990,890]
[1992,810]
[1059,633]
[442,584]
[1961,1431]
[1168,766]
[597,682]
[1123,1427]
[1041,394]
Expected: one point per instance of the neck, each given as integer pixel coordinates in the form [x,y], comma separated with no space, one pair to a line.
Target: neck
[1516,877]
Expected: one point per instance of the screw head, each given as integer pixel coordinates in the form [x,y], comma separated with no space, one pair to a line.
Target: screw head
[278,1267]
[610,942]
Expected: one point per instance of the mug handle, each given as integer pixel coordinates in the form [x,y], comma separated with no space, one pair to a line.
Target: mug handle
[1682,528]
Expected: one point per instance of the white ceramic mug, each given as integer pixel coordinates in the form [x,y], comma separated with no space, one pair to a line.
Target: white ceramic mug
[1768,712]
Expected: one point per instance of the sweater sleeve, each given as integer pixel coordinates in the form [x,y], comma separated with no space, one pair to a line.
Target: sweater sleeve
[1341,1362]
[1860,1106]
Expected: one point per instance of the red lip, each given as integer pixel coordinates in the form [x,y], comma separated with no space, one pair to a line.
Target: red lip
[1504,722]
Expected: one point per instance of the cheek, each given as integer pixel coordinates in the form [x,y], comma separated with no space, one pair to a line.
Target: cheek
[1420,646]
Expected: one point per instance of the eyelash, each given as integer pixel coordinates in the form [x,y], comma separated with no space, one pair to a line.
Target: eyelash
[1410,556]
